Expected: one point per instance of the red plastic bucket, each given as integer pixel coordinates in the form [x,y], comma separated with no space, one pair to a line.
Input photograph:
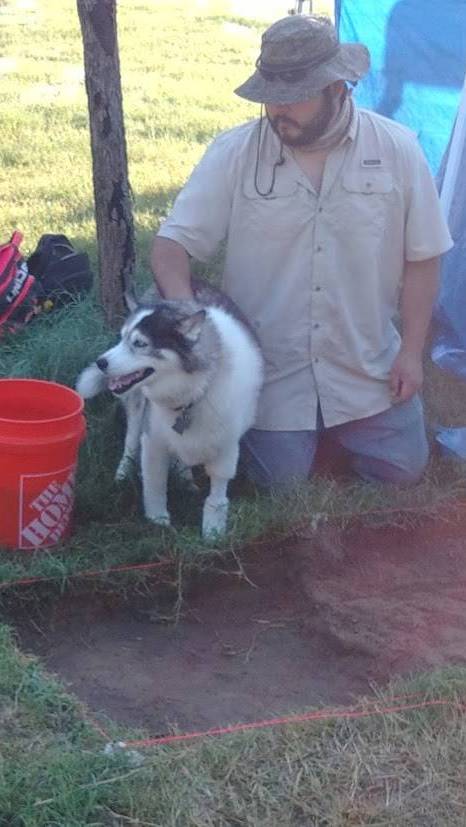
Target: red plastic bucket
[41,427]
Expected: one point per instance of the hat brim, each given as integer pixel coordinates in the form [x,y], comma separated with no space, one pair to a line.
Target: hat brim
[351,63]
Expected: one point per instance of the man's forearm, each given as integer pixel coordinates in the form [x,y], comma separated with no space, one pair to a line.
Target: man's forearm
[420,287]
[171,268]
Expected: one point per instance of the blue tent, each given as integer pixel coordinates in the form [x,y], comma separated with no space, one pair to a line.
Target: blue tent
[417,77]
[418,62]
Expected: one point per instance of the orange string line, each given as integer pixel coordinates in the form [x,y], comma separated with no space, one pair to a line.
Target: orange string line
[90,574]
[320,715]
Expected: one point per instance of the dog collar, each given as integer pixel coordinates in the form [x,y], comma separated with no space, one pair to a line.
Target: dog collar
[183,420]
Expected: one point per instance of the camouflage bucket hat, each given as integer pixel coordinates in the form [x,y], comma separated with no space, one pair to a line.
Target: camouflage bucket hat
[300,56]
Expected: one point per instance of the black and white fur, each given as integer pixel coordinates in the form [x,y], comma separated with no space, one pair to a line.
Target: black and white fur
[189,374]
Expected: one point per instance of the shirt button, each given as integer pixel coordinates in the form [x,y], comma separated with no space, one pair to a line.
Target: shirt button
[321,209]
[316,358]
[316,325]
[317,288]
[318,248]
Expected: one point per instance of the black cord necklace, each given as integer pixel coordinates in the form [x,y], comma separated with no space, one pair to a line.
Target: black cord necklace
[279,163]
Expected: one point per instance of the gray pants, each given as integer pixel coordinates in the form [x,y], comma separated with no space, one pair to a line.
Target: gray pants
[389,447]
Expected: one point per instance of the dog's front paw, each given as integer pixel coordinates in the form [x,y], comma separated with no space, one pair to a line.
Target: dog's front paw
[214,519]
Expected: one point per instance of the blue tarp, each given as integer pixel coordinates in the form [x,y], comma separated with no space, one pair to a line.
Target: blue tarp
[449,341]
[418,50]
[418,54]
[449,349]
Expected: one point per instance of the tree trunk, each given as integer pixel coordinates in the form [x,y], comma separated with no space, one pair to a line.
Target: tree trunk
[114,220]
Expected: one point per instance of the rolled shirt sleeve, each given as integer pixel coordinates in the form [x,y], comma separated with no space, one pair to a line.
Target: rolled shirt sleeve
[200,216]
[426,230]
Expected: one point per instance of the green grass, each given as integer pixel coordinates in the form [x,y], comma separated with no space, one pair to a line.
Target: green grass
[178,69]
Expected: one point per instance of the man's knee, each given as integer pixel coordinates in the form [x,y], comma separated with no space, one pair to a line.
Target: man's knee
[406,472]
[391,446]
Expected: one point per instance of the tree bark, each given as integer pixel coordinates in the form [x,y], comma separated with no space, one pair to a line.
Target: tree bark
[112,199]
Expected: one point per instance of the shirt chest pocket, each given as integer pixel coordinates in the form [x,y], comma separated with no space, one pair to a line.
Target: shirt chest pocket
[276,217]
[366,198]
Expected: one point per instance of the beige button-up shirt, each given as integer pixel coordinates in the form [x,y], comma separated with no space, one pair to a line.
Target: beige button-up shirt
[317,273]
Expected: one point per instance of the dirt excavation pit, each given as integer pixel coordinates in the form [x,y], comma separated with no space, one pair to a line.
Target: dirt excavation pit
[311,625]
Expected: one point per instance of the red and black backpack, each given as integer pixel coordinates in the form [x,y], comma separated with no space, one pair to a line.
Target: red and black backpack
[54,274]
[20,293]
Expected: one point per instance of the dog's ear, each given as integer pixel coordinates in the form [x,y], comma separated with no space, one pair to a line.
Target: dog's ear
[190,326]
[130,299]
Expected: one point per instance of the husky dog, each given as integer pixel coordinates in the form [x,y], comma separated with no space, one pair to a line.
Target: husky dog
[189,374]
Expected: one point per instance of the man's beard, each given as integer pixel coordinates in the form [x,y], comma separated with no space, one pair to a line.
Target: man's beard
[305,135]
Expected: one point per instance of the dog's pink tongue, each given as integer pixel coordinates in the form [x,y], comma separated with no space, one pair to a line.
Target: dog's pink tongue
[122,381]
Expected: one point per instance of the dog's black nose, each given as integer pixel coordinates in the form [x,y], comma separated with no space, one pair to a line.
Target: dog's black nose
[102,364]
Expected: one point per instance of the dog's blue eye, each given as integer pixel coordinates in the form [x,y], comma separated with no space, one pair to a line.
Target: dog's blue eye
[139,343]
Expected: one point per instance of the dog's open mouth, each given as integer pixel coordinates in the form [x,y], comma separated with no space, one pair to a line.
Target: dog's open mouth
[121,384]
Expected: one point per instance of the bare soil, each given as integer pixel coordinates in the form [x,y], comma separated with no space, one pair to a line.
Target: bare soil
[317,621]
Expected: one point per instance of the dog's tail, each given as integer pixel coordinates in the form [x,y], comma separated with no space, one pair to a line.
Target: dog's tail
[91,382]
